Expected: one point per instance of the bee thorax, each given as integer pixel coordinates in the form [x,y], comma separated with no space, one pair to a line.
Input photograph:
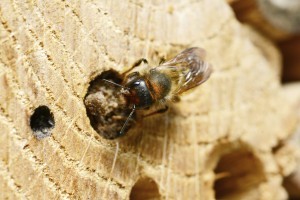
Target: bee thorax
[159,85]
[139,95]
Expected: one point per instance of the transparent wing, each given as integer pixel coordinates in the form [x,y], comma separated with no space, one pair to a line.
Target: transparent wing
[188,69]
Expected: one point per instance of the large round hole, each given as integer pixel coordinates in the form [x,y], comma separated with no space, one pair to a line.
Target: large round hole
[106,106]
[237,173]
[42,122]
[145,188]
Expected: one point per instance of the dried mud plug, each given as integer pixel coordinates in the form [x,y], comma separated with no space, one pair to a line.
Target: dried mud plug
[42,122]
[107,107]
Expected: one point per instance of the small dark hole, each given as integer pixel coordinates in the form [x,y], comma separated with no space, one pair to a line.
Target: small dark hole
[106,106]
[42,122]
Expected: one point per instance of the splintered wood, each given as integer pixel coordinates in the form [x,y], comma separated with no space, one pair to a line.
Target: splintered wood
[220,141]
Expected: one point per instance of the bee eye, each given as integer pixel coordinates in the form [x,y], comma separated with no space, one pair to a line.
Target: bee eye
[136,83]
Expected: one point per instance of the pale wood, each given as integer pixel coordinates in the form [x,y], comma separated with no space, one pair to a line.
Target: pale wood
[51,50]
[249,12]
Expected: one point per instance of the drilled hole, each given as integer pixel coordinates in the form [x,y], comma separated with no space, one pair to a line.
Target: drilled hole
[42,122]
[106,107]
[292,185]
[146,189]
[237,173]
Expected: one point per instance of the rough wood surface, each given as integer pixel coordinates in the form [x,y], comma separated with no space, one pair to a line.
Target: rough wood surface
[219,141]
[249,12]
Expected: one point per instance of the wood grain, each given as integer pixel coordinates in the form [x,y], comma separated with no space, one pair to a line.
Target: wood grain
[51,50]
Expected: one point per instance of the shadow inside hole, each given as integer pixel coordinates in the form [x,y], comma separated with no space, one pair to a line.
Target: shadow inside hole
[42,122]
[145,188]
[238,173]
[292,185]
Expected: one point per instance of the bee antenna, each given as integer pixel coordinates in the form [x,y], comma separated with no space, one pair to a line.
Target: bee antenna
[115,84]
[127,120]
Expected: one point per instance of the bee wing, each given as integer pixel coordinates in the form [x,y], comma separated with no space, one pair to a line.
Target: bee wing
[188,69]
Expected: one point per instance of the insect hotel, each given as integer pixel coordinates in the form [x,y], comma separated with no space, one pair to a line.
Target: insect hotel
[142,100]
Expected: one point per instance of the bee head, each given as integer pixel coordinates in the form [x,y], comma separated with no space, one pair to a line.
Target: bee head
[139,94]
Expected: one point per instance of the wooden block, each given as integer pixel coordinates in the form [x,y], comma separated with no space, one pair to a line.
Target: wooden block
[200,149]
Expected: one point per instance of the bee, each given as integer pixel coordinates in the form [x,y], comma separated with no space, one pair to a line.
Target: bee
[151,86]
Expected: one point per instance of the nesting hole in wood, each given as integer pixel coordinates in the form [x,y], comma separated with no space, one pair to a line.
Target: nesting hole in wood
[292,186]
[237,173]
[145,188]
[42,122]
[106,106]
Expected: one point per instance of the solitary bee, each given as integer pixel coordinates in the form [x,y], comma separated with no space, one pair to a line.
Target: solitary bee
[151,86]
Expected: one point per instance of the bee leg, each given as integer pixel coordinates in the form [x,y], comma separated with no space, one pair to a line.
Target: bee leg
[159,111]
[136,64]
[115,84]
[162,60]
[127,120]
